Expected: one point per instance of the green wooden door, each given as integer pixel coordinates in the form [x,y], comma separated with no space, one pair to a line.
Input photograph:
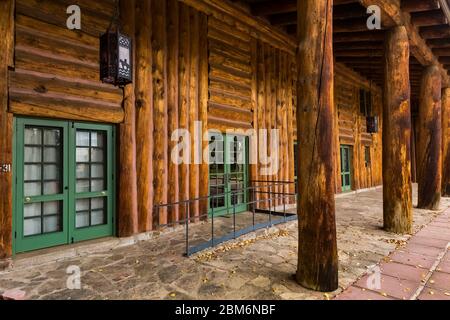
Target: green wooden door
[346,174]
[64,183]
[228,174]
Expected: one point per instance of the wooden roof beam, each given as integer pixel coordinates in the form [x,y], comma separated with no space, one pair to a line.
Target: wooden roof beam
[392,15]
[428,18]
[420,5]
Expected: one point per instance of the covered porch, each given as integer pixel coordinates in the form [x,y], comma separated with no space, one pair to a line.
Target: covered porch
[258,266]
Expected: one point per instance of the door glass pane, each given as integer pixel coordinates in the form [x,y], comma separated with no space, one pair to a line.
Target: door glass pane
[41,177]
[82,220]
[32,210]
[32,227]
[42,218]
[217,171]
[52,137]
[32,189]
[90,212]
[33,154]
[82,154]
[51,155]
[33,136]
[83,171]
[91,161]
[51,224]
[32,172]
[82,138]
[97,185]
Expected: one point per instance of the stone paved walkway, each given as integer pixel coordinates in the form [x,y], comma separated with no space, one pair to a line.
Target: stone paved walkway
[418,270]
[258,266]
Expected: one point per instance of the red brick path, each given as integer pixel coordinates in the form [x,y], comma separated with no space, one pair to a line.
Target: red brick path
[420,270]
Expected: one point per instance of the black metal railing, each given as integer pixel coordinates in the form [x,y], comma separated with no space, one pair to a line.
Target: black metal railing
[267,200]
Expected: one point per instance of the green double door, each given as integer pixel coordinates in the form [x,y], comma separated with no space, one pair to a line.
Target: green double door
[346,168]
[64,183]
[228,174]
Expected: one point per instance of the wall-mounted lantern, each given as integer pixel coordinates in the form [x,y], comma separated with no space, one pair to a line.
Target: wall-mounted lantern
[372,124]
[116,64]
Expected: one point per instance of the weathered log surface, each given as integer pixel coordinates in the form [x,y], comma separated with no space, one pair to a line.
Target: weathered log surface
[317,251]
[445,142]
[144,115]
[56,73]
[6,126]
[160,103]
[430,140]
[397,191]
[127,198]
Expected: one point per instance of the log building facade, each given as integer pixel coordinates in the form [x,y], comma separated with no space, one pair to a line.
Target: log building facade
[81,159]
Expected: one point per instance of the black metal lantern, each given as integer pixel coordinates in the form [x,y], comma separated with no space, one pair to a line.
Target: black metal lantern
[372,124]
[116,56]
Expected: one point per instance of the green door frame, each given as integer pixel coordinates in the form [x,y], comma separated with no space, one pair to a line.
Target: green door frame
[228,207]
[22,243]
[68,197]
[107,229]
[346,168]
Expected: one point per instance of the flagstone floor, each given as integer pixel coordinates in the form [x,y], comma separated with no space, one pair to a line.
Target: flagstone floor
[257,266]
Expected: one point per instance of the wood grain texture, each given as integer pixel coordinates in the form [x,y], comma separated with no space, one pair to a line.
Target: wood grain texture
[127,210]
[445,142]
[172,105]
[317,251]
[159,78]
[430,140]
[6,126]
[144,115]
[397,187]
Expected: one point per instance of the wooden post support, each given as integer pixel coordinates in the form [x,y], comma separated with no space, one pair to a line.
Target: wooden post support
[397,190]
[430,140]
[445,142]
[6,126]
[317,251]
[127,203]
[159,67]
[144,114]
[172,112]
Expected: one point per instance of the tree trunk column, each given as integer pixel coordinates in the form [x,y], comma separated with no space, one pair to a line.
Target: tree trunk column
[397,186]
[317,251]
[445,142]
[430,140]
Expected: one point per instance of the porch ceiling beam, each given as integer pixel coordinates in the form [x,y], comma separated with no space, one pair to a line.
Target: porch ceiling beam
[428,18]
[419,5]
[393,15]
[261,29]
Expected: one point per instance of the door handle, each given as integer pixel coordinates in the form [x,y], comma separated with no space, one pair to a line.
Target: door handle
[104,193]
[27,199]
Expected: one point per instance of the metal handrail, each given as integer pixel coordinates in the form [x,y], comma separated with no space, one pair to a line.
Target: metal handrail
[257,206]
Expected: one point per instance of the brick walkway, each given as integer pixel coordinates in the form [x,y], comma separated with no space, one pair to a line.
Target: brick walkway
[419,270]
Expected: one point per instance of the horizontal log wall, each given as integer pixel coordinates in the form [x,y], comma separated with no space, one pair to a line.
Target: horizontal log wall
[230,76]
[352,128]
[56,69]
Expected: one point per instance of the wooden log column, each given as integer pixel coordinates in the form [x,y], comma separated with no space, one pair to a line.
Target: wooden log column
[144,114]
[445,142]
[159,77]
[317,250]
[430,140]
[127,208]
[397,186]
[6,127]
